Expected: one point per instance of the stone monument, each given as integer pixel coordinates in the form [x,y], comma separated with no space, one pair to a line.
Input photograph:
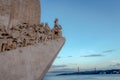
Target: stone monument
[27,47]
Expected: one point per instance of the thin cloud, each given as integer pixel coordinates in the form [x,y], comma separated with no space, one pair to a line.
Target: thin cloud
[94,55]
[109,51]
[117,65]
[115,61]
[58,66]
[62,70]
[69,56]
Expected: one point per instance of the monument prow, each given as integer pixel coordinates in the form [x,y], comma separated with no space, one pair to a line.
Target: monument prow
[29,63]
[27,47]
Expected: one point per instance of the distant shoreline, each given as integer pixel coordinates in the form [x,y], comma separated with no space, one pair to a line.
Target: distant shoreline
[113,71]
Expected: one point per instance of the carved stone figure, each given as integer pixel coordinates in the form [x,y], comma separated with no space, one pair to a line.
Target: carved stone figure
[48,32]
[47,28]
[57,29]
[56,25]
[42,30]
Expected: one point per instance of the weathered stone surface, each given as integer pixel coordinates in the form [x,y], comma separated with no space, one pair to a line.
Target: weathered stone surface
[27,48]
[13,12]
[29,63]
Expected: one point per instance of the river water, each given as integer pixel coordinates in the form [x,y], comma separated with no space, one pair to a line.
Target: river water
[85,77]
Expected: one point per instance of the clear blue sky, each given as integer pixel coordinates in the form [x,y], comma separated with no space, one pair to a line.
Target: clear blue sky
[91,29]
